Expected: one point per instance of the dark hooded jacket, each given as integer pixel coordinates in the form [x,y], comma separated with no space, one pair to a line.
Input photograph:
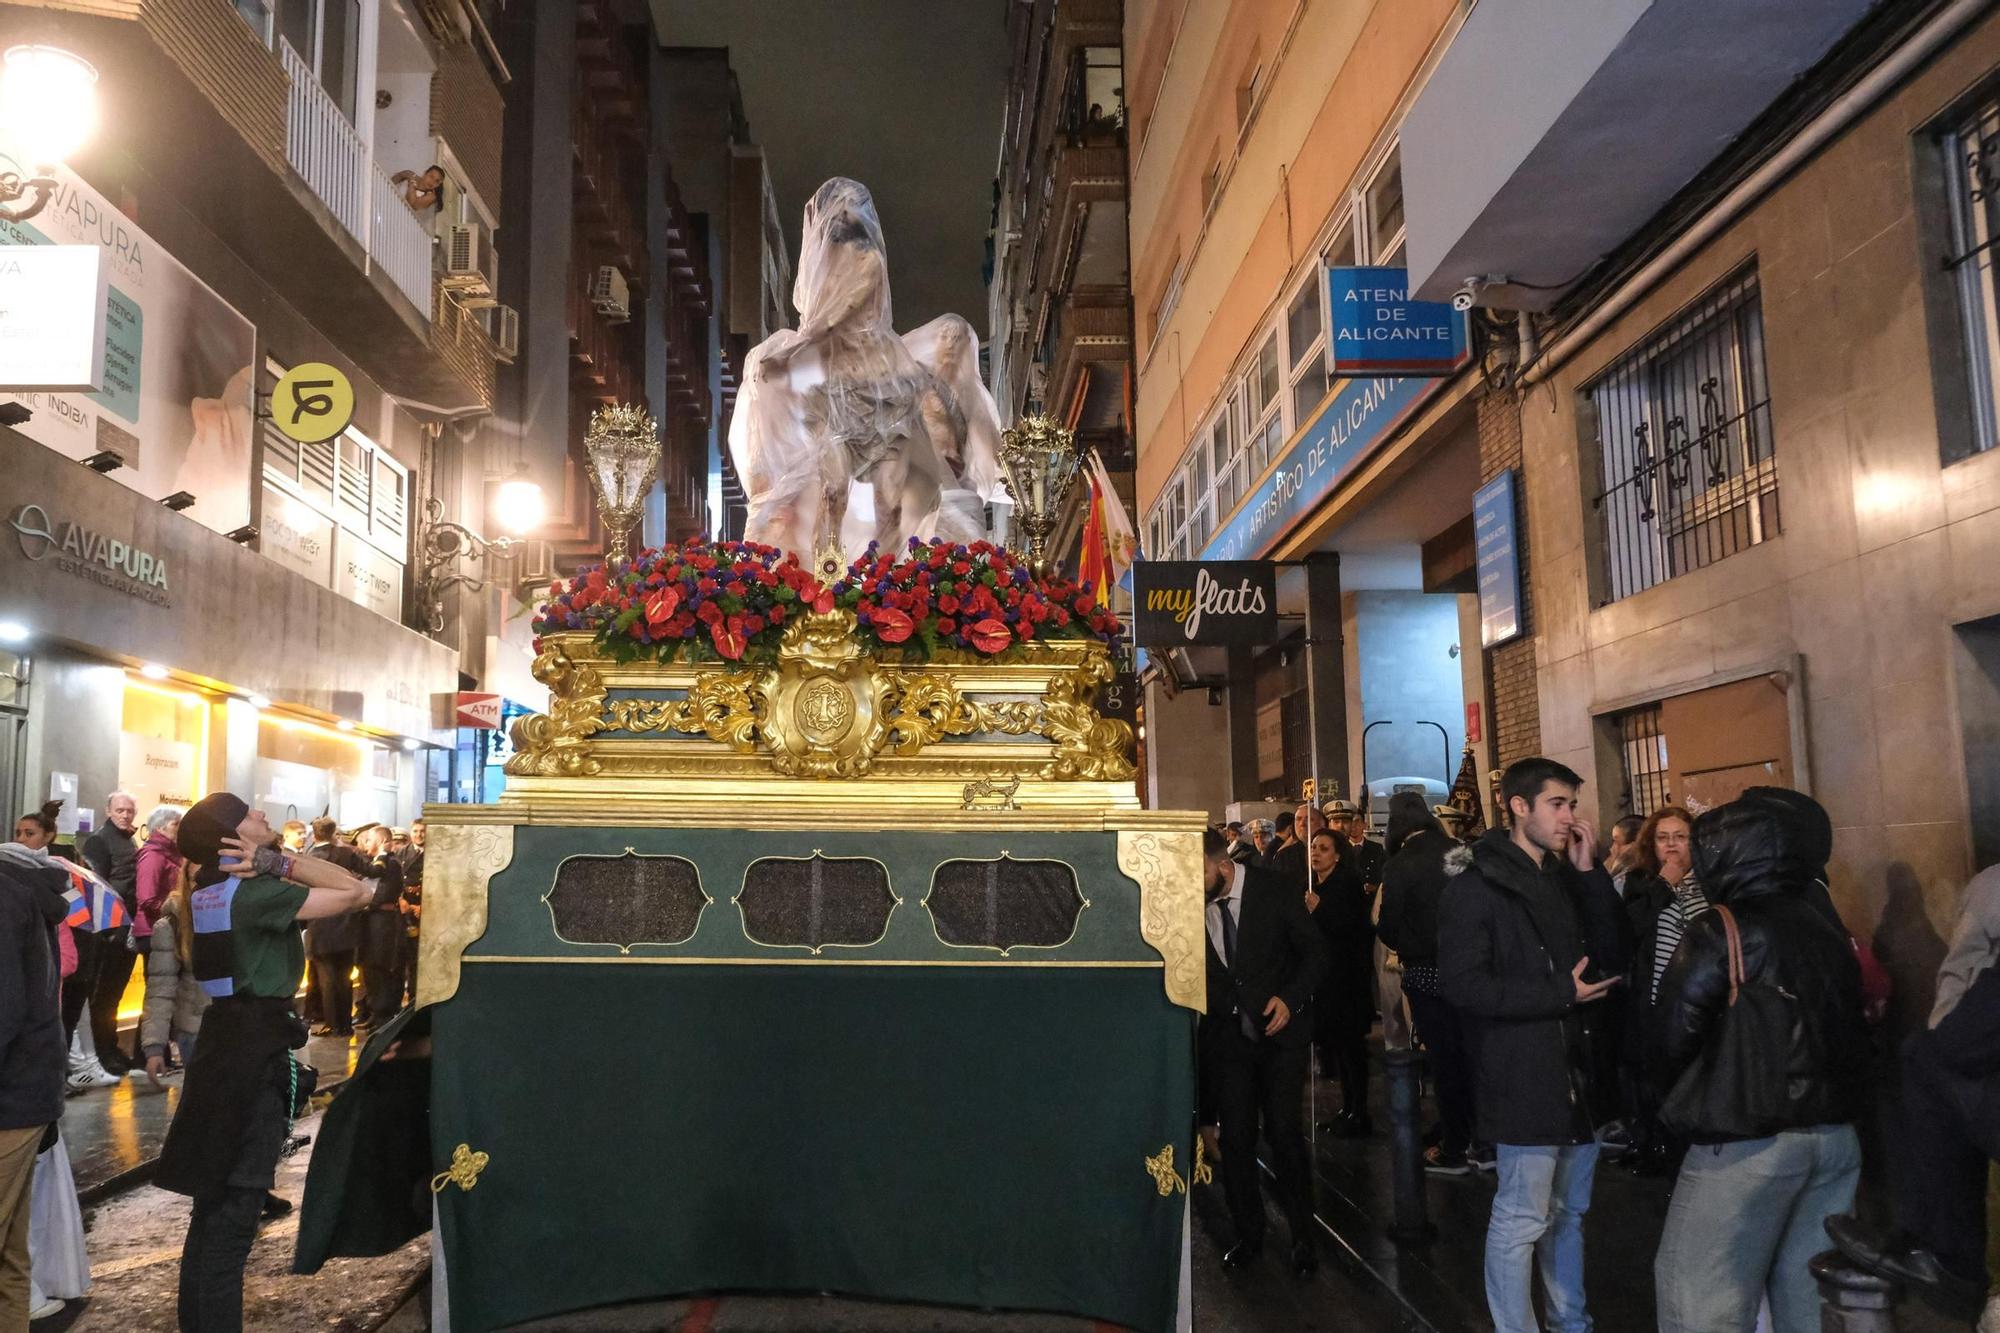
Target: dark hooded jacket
[1763,856]
[32,1065]
[1510,935]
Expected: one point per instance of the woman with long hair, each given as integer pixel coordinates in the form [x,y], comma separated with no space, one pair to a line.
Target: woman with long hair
[1345,1006]
[174,997]
[1662,895]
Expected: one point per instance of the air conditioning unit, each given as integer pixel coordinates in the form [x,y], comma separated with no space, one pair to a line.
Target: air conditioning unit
[1020,313]
[465,261]
[611,294]
[506,332]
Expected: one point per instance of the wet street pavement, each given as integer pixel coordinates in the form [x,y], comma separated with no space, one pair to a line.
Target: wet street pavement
[1365,1281]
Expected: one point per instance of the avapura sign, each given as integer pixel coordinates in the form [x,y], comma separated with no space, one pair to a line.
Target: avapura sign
[173,399]
[89,554]
[1182,602]
[52,317]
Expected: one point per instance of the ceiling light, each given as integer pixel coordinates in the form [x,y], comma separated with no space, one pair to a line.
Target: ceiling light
[13,631]
[344,725]
[153,671]
[412,743]
[257,701]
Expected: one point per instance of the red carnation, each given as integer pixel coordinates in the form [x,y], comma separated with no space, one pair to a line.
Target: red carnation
[710,613]
[989,635]
[1084,604]
[946,625]
[662,605]
[891,626]
[948,605]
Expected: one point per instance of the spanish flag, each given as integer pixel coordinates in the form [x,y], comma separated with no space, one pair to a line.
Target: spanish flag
[1109,543]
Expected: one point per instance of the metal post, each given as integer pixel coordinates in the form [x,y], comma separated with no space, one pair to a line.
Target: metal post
[1853,1300]
[1406,1163]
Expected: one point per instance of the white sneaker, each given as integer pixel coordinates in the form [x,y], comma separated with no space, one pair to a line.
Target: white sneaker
[51,1306]
[93,1075]
[1989,1322]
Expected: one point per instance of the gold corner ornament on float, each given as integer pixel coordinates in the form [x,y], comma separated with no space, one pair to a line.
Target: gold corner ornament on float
[895,768]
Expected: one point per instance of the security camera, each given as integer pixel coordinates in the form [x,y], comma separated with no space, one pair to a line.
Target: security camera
[1465,297]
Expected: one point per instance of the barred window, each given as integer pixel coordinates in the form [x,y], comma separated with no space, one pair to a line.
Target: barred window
[1643,747]
[1972,180]
[1687,463]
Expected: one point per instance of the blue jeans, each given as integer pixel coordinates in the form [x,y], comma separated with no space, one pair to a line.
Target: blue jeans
[185,1041]
[1538,1221]
[1745,1220]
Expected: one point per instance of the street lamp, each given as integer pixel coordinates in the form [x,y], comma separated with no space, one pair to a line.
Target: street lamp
[623,443]
[1042,463]
[48,108]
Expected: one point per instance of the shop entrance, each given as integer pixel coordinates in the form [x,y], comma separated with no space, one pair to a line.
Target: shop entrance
[13,731]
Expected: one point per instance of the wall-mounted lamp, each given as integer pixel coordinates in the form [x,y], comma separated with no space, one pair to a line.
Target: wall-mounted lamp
[179,500]
[104,460]
[244,535]
[440,545]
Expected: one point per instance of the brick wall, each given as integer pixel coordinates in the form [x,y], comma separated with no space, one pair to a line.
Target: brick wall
[223,58]
[1511,681]
[466,110]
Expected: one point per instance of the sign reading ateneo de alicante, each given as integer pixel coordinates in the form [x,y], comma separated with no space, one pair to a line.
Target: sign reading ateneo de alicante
[1182,602]
[90,554]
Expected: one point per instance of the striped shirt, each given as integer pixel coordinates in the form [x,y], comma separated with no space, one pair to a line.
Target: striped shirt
[1689,902]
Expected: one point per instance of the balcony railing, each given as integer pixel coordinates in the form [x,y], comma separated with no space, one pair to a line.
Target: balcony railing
[335,162]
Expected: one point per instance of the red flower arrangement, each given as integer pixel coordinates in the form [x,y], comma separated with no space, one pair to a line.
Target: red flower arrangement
[731,600]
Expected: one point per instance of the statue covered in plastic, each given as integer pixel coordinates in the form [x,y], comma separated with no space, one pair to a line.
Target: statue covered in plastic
[843,430]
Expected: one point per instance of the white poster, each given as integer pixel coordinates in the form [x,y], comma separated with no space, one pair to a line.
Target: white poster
[156,772]
[178,362]
[298,536]
[52,300]
[363,574]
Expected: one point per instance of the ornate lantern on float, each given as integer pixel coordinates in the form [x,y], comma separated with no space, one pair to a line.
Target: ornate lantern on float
[1042,463]
[623,443]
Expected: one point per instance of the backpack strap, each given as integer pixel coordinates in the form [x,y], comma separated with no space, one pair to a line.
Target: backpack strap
[1735,949]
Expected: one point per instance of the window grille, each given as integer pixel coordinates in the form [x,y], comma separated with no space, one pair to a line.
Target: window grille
[1643,747]
[1972,181]
[1687,460]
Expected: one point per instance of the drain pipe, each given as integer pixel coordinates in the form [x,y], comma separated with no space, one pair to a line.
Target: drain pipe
[1823,128]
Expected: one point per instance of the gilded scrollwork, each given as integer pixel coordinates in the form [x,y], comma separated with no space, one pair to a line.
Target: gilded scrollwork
[1167,867]
[553,744]
[826,709]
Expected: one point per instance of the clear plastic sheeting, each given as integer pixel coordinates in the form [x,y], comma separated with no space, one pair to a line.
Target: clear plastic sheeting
[845,431]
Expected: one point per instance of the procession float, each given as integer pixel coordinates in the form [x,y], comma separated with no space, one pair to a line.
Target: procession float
[818,942]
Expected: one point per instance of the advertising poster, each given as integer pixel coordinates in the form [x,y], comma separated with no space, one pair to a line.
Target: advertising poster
[157,771]
[178,361]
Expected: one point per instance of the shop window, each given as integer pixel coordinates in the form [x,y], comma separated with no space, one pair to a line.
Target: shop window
[816,901]
[1004,904]
[1686,459]
[626,900]
[1972,182]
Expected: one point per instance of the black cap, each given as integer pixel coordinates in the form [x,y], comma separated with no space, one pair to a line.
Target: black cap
[207,822]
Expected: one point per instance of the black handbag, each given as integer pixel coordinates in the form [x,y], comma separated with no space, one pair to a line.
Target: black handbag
[1738,1087]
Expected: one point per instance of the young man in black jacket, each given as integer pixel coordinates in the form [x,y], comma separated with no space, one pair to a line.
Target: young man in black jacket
[1531,937]
[1265,959]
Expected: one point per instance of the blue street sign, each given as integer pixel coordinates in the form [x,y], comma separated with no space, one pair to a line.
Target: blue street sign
[1495,538]
[1378,330]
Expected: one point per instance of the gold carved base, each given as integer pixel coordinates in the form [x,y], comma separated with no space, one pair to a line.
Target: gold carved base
[826,710]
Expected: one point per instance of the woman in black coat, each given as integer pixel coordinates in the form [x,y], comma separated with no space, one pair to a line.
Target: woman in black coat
[1346,1002]
[1413,883]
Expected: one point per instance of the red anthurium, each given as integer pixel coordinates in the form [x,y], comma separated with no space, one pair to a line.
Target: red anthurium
[728,637]
[823,601]
[661,606]
[989,635]
[891,626]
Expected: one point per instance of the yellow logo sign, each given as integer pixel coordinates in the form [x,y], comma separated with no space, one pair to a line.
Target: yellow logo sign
[313,402]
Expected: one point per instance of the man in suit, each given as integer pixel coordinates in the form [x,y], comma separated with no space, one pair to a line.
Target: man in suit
[1265,960]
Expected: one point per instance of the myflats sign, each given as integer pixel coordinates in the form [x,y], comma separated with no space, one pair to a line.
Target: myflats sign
[1183,602]
[89,554]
